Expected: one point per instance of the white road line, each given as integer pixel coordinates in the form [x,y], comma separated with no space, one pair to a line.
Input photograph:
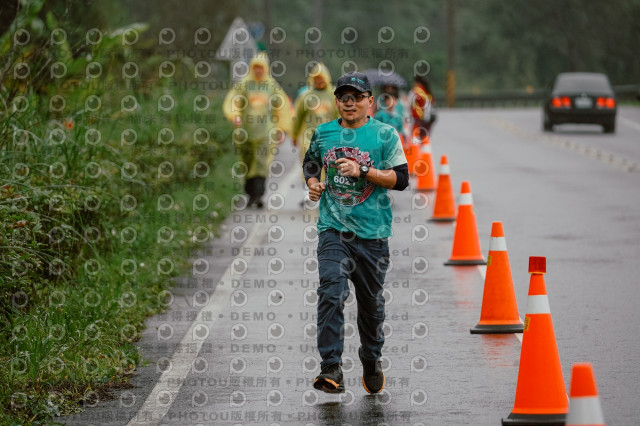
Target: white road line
[519,335]
[483,273]
[164,394]
[615,161]
[629,123]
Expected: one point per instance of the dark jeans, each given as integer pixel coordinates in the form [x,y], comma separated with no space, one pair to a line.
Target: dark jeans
[343,256]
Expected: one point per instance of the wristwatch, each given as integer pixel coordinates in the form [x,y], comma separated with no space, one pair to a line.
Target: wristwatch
[363,171]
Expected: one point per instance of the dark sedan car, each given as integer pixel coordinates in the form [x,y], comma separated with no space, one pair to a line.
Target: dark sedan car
[581,97]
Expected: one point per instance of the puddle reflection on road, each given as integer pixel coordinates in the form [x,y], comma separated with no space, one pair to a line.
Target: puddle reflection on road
[500,350]
[368,410]
[467,285]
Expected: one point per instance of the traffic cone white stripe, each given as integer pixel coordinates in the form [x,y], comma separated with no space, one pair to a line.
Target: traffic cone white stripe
[466,199]
[585,411]
[445,169]
[497,244]
[426,148]
[538,304]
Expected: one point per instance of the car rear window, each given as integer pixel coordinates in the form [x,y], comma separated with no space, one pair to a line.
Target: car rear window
[571,83]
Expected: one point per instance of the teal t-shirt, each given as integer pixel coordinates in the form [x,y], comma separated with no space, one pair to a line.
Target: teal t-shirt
[392,118]
[351,204]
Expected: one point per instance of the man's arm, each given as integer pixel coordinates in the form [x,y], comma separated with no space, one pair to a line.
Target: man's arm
[395,178]
[312,171]
[310,167]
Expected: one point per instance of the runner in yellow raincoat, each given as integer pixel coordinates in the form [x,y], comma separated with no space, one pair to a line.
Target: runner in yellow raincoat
[261,109]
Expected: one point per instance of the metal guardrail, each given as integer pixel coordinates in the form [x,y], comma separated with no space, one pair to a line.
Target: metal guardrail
[521,98]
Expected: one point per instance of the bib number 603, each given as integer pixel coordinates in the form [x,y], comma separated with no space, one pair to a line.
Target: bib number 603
[343,180]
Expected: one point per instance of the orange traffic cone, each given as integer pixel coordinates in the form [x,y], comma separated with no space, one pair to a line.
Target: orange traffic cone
[541,397]
[499,312]
[444,208]
[426,179]
[584,404]
[466,244]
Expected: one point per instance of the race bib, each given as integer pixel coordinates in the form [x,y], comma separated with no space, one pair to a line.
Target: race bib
[346,190]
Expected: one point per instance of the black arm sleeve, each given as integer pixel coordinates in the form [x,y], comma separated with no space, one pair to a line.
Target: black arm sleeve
[402,177]
[311,168]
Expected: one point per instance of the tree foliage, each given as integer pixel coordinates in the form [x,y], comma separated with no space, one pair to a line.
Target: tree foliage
[499,45]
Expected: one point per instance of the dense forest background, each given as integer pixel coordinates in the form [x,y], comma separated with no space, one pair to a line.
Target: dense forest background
[498,45]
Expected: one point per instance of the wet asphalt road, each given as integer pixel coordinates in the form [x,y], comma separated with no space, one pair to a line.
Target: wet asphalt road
[250,358]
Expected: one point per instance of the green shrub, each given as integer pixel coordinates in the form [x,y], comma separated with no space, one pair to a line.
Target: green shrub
[79,218]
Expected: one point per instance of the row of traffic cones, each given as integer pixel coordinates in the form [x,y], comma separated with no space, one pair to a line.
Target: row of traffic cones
[541,397]
[420,163]
[466,245]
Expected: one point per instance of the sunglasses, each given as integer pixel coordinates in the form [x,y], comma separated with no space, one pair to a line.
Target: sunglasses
[344,98]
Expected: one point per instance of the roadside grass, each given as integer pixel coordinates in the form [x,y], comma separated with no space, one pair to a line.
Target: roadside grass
[73,341]
[107,185]
[99,212]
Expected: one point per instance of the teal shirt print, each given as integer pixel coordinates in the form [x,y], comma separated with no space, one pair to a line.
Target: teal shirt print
[346,190]
[353,204]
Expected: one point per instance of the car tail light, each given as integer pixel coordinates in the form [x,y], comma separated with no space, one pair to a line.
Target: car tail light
[561,102]
[606,103]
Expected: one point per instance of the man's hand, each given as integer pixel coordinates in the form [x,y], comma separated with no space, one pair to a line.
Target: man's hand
[315,189]
[348,167]
[237,121]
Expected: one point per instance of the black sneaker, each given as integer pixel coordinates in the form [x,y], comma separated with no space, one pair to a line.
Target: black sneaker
[330,379]
[372,374]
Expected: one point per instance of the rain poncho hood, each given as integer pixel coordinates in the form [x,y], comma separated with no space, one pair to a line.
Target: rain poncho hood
[320,70]
[260,59]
